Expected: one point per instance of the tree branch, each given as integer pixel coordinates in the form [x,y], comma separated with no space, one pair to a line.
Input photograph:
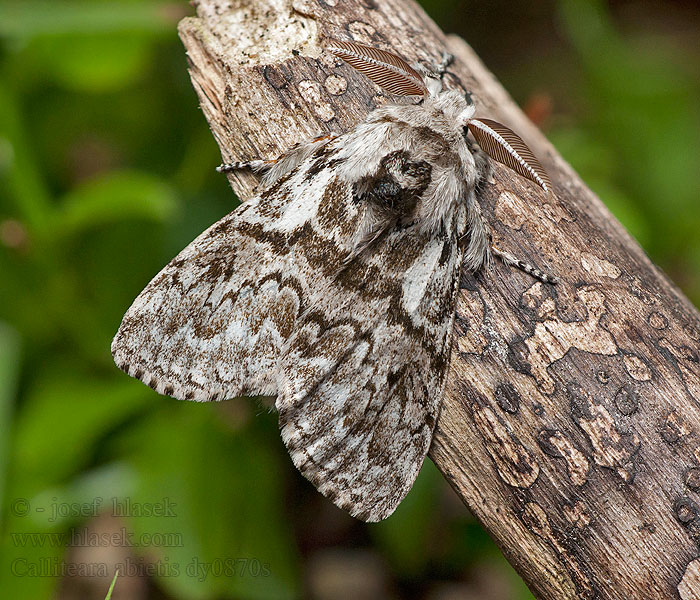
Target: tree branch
[570,422]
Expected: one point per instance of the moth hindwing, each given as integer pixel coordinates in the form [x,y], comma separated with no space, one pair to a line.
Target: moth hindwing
[333,289]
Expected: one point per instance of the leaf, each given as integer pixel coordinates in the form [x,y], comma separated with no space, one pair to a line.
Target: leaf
[85,45]
[43,522]
[27,19]
[93,64]
[385,69]
[507,147]
[226,490]
[404,537]
[65,407]
[24,188]
[115,196]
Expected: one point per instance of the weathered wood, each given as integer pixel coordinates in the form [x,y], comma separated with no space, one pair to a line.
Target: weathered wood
[570,425]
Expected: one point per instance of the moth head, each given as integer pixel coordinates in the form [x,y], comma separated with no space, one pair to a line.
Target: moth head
[507,147]
[396,76]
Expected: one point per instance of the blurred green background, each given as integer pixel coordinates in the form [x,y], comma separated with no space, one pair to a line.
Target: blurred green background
[106,172]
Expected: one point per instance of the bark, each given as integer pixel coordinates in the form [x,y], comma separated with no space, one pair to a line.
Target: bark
[570,426]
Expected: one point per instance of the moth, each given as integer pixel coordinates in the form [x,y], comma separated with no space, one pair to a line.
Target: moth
[334,289]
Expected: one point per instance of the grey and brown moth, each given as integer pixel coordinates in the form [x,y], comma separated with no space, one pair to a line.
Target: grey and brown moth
[334,289]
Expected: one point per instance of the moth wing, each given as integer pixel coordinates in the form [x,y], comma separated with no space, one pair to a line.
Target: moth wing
[212,323]
[363,378]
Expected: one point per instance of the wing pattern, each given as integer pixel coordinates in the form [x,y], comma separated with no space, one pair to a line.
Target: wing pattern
[363,377]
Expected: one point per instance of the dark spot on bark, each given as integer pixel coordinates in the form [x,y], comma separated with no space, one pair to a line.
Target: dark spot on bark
[689,354]
[623,425]
[277,76]
[669,431]
[649,527]
[692,332]
[518,357]
[507,398]
[627,400]
[692,478]
[657,320]
[686,510]
[580,402]
[544,441]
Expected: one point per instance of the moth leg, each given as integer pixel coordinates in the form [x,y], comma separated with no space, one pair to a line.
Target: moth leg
[272,170]
[478,226]
[512,261]
[257,166]
[477,253]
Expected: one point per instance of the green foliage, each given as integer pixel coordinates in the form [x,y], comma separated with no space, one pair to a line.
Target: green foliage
[636,139]
[106,171]
[9,370]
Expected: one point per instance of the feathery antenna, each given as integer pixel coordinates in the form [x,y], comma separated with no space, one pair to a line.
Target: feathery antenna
[385,69]
[506,146]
